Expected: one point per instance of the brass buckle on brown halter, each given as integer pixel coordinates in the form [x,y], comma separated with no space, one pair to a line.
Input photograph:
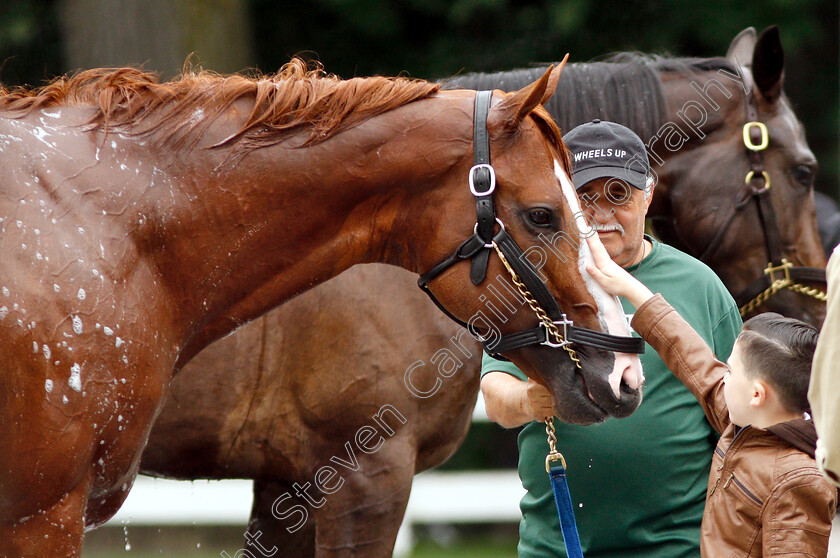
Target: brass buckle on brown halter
[785,267]
[756,139]
[765,137]
[751,175]
[764,141]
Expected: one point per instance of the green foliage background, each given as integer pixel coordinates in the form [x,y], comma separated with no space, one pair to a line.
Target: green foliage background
[438,38]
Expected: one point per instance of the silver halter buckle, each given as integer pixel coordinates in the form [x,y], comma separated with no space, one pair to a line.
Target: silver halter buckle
[492,180]
[564,323]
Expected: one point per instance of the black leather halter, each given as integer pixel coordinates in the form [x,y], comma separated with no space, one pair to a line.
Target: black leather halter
[757,188]
[477,248]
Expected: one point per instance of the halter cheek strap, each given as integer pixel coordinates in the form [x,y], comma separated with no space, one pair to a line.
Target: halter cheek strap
[757,188]
[482,184]
[477,248]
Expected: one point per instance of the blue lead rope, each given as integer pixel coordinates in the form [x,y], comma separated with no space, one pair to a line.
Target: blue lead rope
[557,473]
[555,466]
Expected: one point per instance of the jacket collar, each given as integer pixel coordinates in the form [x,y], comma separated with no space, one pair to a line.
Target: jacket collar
[800,433]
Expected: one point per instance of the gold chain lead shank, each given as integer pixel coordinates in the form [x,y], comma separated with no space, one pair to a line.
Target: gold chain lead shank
[550,326]
[778,285]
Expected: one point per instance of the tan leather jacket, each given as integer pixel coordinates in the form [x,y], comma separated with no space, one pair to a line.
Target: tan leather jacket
[765,495]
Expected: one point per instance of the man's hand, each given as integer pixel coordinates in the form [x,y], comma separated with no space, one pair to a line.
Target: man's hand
[539,405]
[510,402]
[612,277]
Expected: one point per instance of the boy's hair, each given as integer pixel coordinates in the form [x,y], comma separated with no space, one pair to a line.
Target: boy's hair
[780,351]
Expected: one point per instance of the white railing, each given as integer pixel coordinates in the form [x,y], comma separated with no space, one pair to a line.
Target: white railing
[436,497]
[460,497]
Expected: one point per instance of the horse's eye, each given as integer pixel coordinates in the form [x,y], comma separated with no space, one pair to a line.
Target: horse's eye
[540,217]
[803,174]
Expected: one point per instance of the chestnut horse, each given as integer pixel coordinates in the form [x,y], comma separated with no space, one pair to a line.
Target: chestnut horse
[212,428]
[141,221]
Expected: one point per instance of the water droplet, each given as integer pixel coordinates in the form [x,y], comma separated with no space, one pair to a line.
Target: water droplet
[75,380]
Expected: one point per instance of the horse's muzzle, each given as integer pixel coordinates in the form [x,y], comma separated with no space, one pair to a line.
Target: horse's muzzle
[606,385]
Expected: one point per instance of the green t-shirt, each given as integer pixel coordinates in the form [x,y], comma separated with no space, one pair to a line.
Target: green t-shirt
[638,484]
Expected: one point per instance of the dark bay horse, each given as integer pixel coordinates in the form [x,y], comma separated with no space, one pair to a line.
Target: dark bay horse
[208,430]
[236,411]
[692,115]
[143,220]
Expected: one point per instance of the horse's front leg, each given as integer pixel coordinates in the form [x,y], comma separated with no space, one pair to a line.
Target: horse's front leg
[58,530]
[361,520]
[270,535]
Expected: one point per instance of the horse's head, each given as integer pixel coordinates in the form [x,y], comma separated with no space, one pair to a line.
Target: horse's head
[740,194]
[533,207]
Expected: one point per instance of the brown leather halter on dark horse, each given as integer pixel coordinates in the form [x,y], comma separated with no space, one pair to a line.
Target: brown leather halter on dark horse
[757,187]
[701,204]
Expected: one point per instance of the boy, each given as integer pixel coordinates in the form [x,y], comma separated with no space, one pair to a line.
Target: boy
[765,493]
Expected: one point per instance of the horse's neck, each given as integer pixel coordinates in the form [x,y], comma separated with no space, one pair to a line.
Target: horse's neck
[256,231]
[672,110]
[695,106]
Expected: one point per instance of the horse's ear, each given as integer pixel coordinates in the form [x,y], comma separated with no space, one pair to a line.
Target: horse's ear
[742,47]
[516,106]
[768,64]
[553,79]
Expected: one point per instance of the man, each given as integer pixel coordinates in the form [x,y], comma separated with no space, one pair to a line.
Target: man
[638,484]
[824,390]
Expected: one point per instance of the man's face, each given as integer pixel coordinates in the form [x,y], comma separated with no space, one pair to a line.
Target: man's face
[617,211]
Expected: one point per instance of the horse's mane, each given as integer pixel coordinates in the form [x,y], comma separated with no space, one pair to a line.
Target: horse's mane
[624,87]
[282,104]
[554,135]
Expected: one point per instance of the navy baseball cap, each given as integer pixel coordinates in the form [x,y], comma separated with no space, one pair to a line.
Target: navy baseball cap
[607,150]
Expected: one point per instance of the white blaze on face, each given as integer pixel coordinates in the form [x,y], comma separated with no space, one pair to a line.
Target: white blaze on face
[627,367]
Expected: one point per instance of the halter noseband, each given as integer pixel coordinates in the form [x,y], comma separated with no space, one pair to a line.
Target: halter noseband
[757,181]
[477,248]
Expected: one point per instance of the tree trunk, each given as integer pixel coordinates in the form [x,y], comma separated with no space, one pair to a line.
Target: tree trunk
[158,35]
